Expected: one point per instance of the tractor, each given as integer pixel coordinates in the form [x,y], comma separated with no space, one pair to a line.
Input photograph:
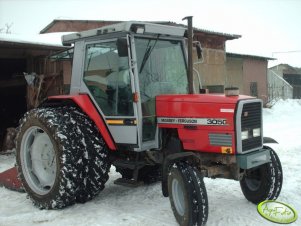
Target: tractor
[133,105]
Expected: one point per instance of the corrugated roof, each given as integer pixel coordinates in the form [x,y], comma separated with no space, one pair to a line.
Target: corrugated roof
[287,69]
[239,55]
[229,36]
[84,21]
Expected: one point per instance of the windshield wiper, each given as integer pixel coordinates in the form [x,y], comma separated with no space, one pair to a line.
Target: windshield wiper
[147,53]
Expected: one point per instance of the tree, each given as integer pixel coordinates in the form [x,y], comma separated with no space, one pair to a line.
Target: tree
[7,28]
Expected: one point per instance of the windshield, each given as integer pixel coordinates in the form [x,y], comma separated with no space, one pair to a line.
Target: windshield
[161,66]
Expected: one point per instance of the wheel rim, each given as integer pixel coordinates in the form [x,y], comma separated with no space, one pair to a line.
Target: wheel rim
[38,160]
[253,179]
[178,197]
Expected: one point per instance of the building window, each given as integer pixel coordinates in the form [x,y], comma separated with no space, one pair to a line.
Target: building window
[253,89]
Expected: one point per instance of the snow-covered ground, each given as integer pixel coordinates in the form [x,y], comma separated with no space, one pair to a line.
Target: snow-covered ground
[145,205]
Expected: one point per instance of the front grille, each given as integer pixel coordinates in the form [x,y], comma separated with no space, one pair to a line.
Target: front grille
[251,115]
[251,118]
[220,139]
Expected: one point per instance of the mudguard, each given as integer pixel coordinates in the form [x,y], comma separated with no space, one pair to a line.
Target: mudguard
[169,160]
[269,140]
[84,102]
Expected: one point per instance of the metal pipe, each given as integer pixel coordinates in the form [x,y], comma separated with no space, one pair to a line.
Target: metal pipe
[190,60]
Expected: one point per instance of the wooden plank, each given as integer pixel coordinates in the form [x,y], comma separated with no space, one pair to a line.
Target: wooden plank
[12,82]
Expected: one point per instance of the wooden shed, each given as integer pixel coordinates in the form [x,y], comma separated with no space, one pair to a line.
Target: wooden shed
[21,55]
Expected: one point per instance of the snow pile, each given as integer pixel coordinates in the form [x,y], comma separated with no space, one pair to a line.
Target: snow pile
[7,161]
[283,123]
[145,205]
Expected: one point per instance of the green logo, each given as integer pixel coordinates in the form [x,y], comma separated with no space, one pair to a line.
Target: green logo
[277,212]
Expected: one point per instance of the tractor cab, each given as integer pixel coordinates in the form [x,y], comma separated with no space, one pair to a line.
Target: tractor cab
[123,67]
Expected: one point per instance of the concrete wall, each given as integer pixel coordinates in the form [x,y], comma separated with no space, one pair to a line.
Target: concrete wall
[242,71]
[256,71]
[278,88]
[278,69]
[212,71]
[234,74]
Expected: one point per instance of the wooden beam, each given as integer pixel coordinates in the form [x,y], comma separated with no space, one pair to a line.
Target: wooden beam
[12,82]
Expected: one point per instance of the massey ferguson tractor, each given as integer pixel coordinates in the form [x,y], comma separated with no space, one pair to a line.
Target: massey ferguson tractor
[133,105]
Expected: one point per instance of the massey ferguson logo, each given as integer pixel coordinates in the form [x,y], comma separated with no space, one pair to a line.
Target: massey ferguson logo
[194,121]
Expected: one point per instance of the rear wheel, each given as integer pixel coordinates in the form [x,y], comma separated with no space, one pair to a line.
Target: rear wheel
[187,194]
[263,182]
[55,148]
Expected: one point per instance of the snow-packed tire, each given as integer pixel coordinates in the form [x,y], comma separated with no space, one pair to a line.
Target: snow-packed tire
[60,157]
[187,195]
[263,182]
[95,158]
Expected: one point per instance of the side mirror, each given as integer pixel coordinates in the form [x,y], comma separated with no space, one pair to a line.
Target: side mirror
[122,47]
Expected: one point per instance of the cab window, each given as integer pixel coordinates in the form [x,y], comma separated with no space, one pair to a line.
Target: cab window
[107,77]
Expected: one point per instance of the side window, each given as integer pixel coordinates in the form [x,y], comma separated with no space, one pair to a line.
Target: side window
[107,77]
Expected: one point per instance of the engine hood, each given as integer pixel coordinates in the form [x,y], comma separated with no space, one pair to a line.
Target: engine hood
[202,98]
[197,105]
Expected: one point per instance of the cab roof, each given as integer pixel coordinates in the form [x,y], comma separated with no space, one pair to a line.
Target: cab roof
[130,26]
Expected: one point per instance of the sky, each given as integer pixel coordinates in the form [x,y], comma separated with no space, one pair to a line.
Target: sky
[269,28]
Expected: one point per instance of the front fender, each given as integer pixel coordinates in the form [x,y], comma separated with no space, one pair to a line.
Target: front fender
[168,161]
[269,140]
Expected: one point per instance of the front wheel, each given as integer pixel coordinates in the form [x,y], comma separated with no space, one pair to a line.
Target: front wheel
[188,195]
[263,182]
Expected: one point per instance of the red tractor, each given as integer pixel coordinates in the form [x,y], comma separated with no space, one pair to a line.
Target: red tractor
[133,105]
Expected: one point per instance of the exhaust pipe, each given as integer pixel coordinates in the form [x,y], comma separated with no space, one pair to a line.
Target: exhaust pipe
[190,60]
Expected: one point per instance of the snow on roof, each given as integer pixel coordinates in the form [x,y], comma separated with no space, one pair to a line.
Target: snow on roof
[49,39]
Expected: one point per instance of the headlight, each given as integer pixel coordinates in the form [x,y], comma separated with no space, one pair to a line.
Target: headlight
[256,132]
[244,135]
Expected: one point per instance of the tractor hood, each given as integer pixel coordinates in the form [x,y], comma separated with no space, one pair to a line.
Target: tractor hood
[202,98]
[205,121]
[196,105]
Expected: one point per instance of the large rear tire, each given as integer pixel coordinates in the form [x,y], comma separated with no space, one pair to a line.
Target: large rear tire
[188,195]
[59,153]
[263,182]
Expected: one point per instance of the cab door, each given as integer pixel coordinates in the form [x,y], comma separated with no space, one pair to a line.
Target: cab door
[160,69]
[108,79]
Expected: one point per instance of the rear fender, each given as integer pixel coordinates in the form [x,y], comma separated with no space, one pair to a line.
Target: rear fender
[84,102]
